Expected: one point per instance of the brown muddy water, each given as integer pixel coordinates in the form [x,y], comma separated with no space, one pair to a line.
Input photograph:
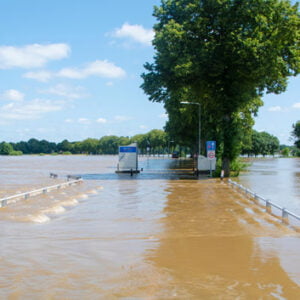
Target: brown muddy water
[157,235]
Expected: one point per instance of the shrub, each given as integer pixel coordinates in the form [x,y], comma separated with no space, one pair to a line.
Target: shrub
[236,167]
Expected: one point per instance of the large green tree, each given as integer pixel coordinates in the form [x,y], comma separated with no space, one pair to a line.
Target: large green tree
[296,133]
[223,54]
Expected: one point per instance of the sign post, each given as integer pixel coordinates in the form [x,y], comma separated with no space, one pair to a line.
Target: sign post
[128,159]
[211,153]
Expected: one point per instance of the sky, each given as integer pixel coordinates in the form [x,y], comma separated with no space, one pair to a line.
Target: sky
[70,69]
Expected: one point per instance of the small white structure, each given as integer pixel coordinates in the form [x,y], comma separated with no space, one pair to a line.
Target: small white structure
[128,159]
[206,164]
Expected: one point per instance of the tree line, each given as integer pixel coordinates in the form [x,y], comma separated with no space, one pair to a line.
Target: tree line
[260,143]
[154,142]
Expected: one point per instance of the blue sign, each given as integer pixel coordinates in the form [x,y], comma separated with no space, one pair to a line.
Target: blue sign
[210,146]
[128,149]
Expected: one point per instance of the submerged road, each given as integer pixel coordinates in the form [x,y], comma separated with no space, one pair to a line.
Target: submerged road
[157,235]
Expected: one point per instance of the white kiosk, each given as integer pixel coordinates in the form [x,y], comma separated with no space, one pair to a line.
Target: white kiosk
[128,159]
[208,163]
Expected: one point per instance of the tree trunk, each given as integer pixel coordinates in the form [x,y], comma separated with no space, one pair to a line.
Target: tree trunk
[226,166]
[230,132]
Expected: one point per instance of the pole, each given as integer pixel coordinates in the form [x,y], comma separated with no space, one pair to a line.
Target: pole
[199,105]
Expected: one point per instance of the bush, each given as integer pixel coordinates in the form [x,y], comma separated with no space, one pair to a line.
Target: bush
[285,151]
[16,153]
[297,153]
[236,167]
[66,153]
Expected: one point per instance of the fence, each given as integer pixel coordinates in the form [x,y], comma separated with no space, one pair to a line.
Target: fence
[6,200]
[285,214]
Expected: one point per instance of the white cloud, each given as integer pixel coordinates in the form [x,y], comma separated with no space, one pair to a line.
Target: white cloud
[296,105]
[84,121]
[71,92]
[101,120]
[42,76]
[100,68]
[13,95]
[275,108]
[33,109]
[68,121]
[143,127]
[135,32]
[109,83]
[122,118]
[31,56]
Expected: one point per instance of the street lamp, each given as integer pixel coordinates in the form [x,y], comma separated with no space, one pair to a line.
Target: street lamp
[199,133]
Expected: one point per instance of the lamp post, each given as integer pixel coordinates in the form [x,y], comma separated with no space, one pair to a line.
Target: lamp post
[169,147]
[199,130]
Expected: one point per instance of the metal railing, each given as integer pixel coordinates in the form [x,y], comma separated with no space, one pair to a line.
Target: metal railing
[6,200]
[267,203]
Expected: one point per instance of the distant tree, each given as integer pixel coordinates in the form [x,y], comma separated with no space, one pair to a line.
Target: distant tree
[157,140]
[6,148]
[285,151]
[124,140]
[109,144]
[22,146]
[64,146]
[90,146]
[142,141]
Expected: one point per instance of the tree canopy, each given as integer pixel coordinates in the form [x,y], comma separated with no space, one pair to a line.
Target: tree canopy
[156,141]
[296,134]
[223,54]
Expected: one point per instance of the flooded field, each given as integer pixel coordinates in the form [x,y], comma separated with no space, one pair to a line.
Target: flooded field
[157,235]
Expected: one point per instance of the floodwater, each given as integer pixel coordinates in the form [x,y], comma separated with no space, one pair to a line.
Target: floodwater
[157,235]
[276,179]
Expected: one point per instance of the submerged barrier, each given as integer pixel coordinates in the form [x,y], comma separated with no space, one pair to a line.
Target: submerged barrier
[285,214]
[6,200]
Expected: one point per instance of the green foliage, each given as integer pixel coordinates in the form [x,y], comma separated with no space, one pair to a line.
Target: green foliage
[237,165]
[66,153]
[261,143]
[296,134]
[155,139]
[285,151]
[16,153]
[34,146]
[223,54]
[297,153]
[5,148]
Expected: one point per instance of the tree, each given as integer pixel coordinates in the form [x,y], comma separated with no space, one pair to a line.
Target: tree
[223,54]
[64,146]
[296,134]
[6,148]
[109,144]
[90,146]
[285,151]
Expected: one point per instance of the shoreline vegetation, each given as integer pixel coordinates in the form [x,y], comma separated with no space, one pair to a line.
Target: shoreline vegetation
[155,142]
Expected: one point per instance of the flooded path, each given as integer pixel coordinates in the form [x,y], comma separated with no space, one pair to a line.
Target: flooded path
[157,235]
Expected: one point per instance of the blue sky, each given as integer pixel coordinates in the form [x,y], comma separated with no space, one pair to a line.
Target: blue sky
[71,69]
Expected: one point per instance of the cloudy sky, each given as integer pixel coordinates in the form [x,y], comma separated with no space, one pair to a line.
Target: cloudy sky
[71,69]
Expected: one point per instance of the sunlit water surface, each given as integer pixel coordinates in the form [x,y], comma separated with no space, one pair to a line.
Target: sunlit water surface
[157,235]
